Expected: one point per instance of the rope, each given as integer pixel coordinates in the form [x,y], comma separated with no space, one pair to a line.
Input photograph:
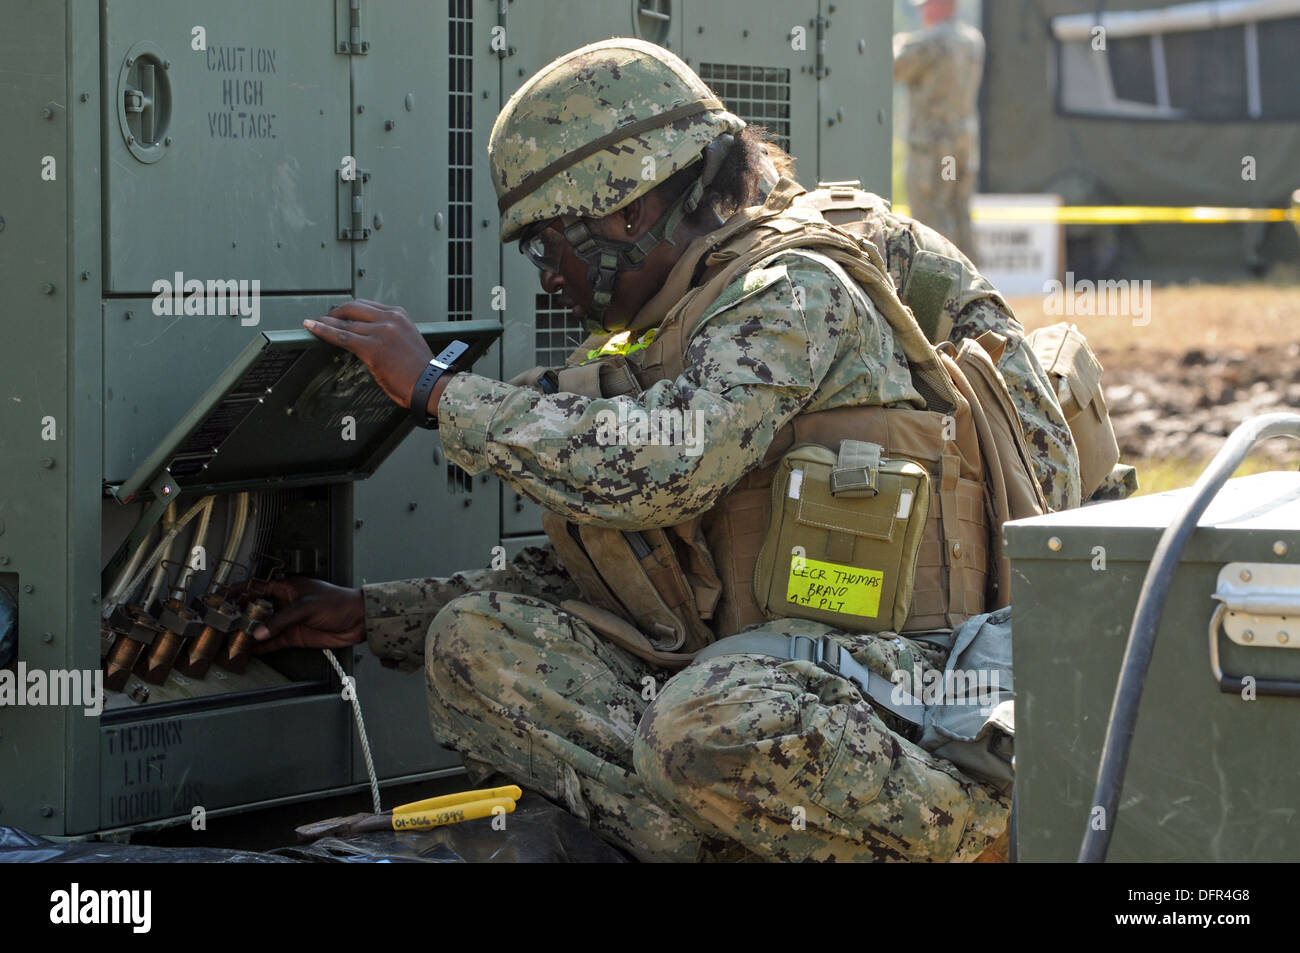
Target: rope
[361,729]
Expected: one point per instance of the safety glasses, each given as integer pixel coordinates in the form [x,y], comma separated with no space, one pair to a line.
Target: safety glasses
[542,245]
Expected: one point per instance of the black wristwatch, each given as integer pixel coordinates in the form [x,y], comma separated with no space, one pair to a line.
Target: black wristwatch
[442,364]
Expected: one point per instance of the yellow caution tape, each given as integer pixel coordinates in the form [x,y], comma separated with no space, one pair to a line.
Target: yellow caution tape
[1126,214]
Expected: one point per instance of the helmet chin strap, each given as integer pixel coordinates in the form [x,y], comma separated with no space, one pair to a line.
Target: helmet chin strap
[606,258]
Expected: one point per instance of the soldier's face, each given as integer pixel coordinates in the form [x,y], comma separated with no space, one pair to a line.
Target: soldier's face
[565,274]
[562,272]
[567,277]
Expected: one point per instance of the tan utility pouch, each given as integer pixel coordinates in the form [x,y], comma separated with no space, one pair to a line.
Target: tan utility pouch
[1076,373]
[661,583]
[844,537]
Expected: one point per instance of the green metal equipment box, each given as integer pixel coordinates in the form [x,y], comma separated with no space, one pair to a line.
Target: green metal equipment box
[324,149]
[1213,775]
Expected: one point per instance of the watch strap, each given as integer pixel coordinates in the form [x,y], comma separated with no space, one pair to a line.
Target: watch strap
[443,363]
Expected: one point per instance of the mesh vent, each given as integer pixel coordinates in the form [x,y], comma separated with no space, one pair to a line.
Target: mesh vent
[558,332]
[458,481]
[758,94]
[460,103]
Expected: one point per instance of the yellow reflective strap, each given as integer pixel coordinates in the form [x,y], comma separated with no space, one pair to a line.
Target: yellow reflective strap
[621,343]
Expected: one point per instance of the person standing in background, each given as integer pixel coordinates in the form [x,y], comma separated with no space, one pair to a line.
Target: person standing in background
[941,65]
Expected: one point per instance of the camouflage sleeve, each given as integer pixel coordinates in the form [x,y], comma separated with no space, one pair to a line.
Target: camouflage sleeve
[980,309]
[398,613]
[667,455]
[909,57]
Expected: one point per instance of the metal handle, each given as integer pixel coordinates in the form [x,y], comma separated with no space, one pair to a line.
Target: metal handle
[1234,684]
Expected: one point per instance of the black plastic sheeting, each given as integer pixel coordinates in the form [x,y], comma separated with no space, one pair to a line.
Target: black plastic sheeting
[536,833]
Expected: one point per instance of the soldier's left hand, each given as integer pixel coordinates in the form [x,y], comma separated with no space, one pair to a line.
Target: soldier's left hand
[383,337]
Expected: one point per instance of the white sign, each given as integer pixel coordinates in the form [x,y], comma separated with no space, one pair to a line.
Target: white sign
[1018,258]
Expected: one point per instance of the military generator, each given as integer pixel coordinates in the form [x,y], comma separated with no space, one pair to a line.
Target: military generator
[160,446]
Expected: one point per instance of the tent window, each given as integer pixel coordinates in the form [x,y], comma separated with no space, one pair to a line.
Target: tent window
[1207,73]
[1279,42]
[1131,69]
[1235,72]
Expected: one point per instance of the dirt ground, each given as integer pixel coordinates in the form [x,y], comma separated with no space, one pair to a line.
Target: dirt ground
[1210,357]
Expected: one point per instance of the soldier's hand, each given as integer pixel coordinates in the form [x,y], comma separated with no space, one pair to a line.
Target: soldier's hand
[311,614]
[383,337]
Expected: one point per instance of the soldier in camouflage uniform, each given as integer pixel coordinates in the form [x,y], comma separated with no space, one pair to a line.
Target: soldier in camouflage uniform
[941,65]
[743,756]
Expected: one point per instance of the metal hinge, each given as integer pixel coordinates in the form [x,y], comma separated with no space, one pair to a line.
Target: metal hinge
[347,28]
[352,207]
[822,23]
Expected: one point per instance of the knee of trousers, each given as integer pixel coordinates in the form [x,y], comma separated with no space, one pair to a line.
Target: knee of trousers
[738,724]
[474,626]
[739,739]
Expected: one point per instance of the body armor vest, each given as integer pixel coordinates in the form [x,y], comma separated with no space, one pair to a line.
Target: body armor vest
[665,594]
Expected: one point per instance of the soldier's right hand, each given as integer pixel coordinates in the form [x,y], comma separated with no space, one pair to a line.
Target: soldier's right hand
[311,614]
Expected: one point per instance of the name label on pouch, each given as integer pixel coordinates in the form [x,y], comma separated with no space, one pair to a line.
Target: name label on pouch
[833,587]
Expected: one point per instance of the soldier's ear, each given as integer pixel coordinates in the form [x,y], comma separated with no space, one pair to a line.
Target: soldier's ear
[629,221]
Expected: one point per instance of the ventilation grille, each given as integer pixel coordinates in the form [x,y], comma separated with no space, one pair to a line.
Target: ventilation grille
[758,94]
[458,481]
[460,106]
[558,332]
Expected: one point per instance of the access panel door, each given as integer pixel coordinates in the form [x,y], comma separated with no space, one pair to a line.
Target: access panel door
[224,125]
[857,82]
[762,64]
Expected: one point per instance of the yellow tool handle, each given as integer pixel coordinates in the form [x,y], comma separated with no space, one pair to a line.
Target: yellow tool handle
[461,797]
[472,810]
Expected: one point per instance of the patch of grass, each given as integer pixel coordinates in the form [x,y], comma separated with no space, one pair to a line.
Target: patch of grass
[1157,476]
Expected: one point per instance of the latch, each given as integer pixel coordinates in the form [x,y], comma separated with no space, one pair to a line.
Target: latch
[347,28]
[1259,607]
[144,102]
[352,206]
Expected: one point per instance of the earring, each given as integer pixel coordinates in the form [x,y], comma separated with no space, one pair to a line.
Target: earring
[629,226]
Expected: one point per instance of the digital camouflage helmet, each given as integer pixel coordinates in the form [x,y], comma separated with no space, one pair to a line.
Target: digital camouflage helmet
[595,130]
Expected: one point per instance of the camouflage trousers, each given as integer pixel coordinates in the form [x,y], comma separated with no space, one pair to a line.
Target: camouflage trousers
[940,178]
[741,757]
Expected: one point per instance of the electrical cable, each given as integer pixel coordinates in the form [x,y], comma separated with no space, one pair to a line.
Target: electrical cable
[115,592]
[162,555]
[233,540]
[196,542]
[164,546]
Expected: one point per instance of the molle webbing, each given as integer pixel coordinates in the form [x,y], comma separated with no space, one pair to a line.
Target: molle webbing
[960,570]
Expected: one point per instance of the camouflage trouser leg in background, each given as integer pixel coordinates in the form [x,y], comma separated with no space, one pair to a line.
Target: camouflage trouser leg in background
[940,179]
[790,761]
[518,684]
